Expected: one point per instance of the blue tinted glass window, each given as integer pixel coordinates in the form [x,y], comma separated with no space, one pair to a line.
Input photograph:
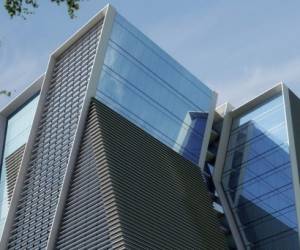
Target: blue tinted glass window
[149,88]
[257,178]
[17,133]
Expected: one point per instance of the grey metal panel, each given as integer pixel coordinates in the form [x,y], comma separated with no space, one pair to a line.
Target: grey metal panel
[3,123]
[84,224]
[161,197]
[13,163]
[217,175]
[292,103]
[207,133]
[153,198]
[53,141]
[295,111]
[107,14]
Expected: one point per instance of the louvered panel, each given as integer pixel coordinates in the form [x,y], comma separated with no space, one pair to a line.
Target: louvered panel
[13,163]
[161,199]
[150,197]
[84,223]
[50,153]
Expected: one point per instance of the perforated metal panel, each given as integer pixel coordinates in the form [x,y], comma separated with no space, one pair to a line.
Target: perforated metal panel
[49,157]
[13,163]
[129,191]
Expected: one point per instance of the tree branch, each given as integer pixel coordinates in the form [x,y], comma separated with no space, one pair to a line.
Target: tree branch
[5,92]
[26,7]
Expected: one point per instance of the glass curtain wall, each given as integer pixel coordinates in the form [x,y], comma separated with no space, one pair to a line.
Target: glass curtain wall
[257,178]
[17,133]
[144,84]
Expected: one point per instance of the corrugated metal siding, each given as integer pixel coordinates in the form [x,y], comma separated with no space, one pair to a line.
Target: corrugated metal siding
[49,157]
[153,197]
[13,163]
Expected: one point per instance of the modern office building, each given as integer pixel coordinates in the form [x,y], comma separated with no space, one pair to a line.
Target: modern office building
[90,149]
[118,146]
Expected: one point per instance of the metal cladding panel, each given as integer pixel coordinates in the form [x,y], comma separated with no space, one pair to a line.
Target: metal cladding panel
[152,197]
[295,122]
[53,142]
[84,224]
[13,163]
[295,108]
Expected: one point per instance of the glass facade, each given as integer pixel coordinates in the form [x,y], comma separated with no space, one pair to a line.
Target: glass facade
[17,132]
[149,88]
[189,141]
[257,178]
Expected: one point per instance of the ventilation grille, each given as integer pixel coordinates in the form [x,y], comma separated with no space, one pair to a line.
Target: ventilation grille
[13,163]
[56,131]
[152,197]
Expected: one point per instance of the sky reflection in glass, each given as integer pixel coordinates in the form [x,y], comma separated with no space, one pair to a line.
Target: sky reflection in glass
[257,178]
[17,133]
[149,88]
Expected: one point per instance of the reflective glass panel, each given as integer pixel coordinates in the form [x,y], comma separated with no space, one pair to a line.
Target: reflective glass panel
[257,178]
[148,87]
[17,133]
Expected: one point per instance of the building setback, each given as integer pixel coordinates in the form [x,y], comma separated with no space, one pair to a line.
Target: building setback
[118,146]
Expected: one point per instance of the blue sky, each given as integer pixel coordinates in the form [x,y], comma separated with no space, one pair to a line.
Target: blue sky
[238,48]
